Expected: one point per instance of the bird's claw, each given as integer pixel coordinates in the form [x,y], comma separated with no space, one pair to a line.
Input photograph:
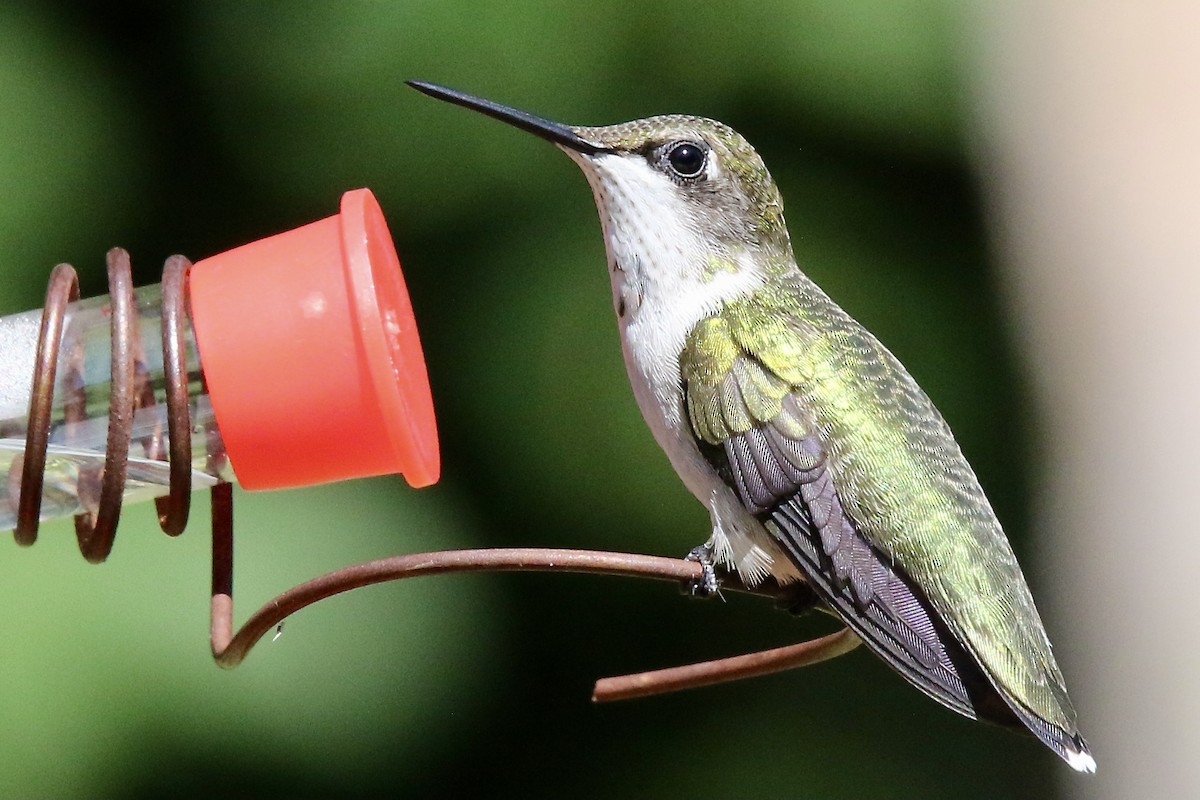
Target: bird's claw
[707,584]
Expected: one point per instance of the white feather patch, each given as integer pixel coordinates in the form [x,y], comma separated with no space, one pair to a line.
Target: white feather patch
[663,283]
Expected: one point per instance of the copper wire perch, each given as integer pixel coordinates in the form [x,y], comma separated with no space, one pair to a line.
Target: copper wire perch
[96,530]
[229,650]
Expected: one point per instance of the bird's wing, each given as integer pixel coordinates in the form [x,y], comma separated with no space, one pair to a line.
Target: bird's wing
[772,455]
[833,446]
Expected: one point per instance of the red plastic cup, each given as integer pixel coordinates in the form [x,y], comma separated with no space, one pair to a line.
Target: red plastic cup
[311,355]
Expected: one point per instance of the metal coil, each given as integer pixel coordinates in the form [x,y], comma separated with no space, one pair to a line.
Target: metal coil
[130,390]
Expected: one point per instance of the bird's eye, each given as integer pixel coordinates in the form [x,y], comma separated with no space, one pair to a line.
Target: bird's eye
[687,159]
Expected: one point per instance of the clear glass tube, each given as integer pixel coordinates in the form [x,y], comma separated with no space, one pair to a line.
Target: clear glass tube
[79,413]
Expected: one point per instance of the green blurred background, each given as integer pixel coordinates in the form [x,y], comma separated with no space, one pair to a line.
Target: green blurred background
[196,127]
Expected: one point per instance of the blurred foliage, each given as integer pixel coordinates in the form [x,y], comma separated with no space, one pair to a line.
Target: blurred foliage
[196,127]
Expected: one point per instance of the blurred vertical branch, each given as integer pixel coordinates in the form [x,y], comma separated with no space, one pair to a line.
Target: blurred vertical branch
[1091,119]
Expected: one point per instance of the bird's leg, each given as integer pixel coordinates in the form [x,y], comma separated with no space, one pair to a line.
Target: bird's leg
[707,584]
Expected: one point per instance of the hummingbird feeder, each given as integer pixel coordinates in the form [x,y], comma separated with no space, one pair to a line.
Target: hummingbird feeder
[196,382]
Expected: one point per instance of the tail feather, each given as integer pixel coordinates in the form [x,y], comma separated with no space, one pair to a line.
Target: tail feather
[901,626]
[1070,747]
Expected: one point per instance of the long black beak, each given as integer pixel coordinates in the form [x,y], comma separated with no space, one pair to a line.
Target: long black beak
[553,131]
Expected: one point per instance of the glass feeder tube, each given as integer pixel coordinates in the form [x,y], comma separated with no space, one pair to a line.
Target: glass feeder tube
[79,412]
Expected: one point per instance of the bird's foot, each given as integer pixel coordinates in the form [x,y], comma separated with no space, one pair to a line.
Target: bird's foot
[707,584]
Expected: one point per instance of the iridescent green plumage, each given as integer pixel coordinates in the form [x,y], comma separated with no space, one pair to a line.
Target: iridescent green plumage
[895,466]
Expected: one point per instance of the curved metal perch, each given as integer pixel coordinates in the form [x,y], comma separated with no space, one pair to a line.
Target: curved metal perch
[96,531]
[230,649]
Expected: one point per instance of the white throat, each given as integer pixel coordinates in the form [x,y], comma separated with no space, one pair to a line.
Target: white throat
[665,278]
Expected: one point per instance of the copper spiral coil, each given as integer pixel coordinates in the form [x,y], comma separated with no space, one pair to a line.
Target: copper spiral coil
[129,391]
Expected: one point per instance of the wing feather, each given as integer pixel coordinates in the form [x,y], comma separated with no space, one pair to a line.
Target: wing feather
[830,443]
[852,578]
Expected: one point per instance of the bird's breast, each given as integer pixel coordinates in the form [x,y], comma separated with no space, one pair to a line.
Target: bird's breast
[657,306]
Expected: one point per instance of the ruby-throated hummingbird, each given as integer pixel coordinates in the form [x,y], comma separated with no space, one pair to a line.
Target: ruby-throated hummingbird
[818,456]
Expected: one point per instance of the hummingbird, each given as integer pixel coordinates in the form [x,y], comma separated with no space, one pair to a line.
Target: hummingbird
[816,453]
